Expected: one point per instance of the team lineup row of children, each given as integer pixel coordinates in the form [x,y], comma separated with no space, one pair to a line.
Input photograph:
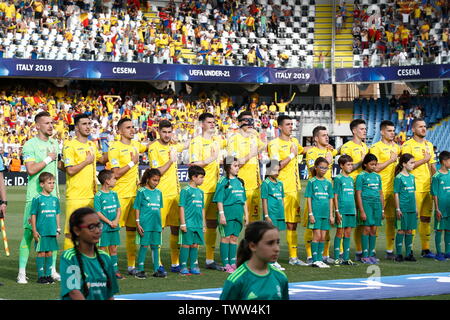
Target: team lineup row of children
[345,205]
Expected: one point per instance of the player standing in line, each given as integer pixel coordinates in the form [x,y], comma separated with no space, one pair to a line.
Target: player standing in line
[345,209]
[192,218]
[323,149]
[40,154]
[204,151]
[424,169]
[370,203]
[80,157]
[387,152]
[357,149]
[319,199]
[272,194]
[123,156]
[86,272]
[162,155]
[107,206]
[45,212]
[286,149]
[233,212]
[148,204]
[255,277]
[405,206]
[440,190]
[245,145]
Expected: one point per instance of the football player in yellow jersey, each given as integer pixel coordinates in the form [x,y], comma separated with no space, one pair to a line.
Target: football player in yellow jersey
[162,155]
[387,152]
[286,149]
[245,145]
[357,149]
[204,151]
[123,156]
[80,157]
[424,169]
[323,149]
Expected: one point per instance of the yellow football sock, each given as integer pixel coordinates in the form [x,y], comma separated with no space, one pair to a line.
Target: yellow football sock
[326,249]
[292,243]
[308,236]
[425,234]
[357,237]
[210,242]
[174,250]
[68,244]
[390,234]
[131,247]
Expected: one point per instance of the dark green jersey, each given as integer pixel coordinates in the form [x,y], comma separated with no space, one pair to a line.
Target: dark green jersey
[96,279]
[405,186]
[45,208]
[231,193]
[369,184]
[274,193]
[320,192]
[192,200]
[440,187]
[244,284]
[107,204]
[344,188]
[149,203]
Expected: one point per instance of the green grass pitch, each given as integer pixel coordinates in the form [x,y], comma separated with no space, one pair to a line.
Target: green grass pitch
[174,282]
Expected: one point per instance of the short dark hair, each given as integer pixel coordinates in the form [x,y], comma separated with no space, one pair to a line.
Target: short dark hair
[415,121]
[165,124]
[281,118]
[80,116]
[355,123]
[194,171]
[205,116]
[40,115]
[44,176]
[104,175]
[121,121]
[386,123]
[243,114]
[368,158]
[317,129]
[344,159]
[444,155]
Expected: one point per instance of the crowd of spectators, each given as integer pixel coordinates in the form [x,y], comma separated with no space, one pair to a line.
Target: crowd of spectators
[187,32]
[19,104]
[401,32]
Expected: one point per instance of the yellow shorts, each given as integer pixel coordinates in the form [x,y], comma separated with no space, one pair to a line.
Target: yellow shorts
[210,207]
[292,207]
[389,205]
[424,204]
[128,214]
[253,199]
[170,213]
[71,206]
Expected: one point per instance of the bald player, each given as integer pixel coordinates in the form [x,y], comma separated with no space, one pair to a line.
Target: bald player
[245,145]
[387,153]
[357,149]
[424,169]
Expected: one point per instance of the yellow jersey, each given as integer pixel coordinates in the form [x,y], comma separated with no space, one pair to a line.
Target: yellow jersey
[421,173]
[383,153]
[199,150]
[119,155]
[314,153]
[279,150]
[82,185]
[238,146]
[158,155]
[355,151]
